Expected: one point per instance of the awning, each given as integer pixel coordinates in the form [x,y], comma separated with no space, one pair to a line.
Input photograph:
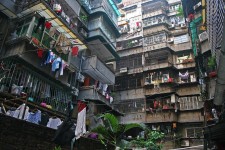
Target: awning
[44,10]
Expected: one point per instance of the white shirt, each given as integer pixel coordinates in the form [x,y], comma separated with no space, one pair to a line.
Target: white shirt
[54,123]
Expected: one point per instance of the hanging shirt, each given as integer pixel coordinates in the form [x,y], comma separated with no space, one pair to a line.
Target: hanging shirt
[63,66]
[40,53]
[19,112]
[54,123]
[48,25]
[10,113]
[75,51]
[56,63]
[34,117]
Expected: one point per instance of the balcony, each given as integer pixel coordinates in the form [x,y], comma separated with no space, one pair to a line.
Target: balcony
[132,43]
[159,89]
[155,29]
[9,8]
[190,116]
[185,90]
[161,116]
[98,70]
[155,13]
[64,25]
[92,94]
[136,117]
[180,47]
[103,6]
[100,32]
[155,46]
[26,33]
[158,65]
[147,24]
[177,32]
[186,65]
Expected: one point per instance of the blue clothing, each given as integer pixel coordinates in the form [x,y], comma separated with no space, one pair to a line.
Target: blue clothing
[34,117]
[56,64]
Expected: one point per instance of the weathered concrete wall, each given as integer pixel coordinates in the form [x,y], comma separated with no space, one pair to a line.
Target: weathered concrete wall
[188,90]
[190,116]
[133,118]
[17,134]
[130,94]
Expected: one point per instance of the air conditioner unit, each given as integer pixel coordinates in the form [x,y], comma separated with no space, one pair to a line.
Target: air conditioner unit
[83,32]
[185,143]
[123,70]
[170,40]
[197,5]
[80,77]
[203,36]
[183,25]
[75,92]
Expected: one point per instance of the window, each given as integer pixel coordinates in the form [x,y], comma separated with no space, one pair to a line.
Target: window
[194,132]
[133,105]
[155,39]
[190,103]
[128,82]
[181,39]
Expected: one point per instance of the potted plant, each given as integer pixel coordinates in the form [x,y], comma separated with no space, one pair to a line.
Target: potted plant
[212,66]
[84,18]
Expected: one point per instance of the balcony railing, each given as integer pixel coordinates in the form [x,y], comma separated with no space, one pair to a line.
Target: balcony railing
[99,23]
[161,116]
[129,44]
[155,13]
[157,65]
[190,64]
[158,89]
[98,70]
[26,30]
[103,5]
[19,80]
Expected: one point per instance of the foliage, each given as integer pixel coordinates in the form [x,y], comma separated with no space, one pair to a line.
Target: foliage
[84,18]
[180,11]
[151,142]
[57,148]
[111,131]
[212,62]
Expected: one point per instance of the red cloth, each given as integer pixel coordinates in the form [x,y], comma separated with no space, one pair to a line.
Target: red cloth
[75,51]
[87,81]
[40,53]
[81,106]
[48,25]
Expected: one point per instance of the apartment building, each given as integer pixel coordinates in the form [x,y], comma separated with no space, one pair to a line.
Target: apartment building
[55,53]
[156,79]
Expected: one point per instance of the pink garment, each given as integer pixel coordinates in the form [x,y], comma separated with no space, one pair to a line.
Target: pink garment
[43,104]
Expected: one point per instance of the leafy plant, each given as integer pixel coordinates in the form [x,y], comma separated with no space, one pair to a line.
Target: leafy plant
[112,131]
[57,148]
[151,141]
[84,18]
[180,11]
[212,62]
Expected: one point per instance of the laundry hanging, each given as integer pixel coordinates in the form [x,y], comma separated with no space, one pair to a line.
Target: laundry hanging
[184,76]
[40,53]
[81,120]
[75,50]
[48,25]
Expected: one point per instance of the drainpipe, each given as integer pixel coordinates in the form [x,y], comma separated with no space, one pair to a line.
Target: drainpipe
[220,84]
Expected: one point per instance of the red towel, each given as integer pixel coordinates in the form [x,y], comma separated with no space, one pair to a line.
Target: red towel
[75,51]
[40,53]
[48,25]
